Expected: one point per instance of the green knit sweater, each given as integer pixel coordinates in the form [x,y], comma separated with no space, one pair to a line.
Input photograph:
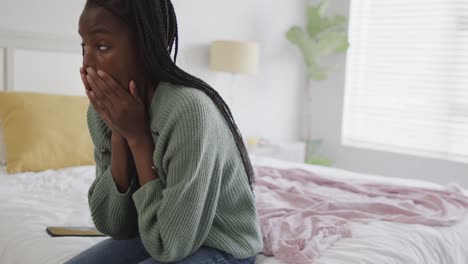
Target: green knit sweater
[202,196]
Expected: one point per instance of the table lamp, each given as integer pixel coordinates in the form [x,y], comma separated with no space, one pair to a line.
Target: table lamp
[235,57]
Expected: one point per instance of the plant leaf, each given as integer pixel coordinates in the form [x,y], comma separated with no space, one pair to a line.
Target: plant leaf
[323,36]
[305,44]
[322,161]
[337,22]
[343,47]
[323,7]
[331,42]
[314,21]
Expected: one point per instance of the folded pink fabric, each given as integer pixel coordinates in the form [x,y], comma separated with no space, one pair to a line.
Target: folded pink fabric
[302,213]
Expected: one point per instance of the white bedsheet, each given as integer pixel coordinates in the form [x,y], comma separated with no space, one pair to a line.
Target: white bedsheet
[32,201]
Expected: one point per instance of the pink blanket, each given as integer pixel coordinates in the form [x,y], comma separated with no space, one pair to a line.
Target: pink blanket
[302,213]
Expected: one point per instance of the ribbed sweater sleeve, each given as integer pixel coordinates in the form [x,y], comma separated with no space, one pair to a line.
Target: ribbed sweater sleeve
[175,217]
[113,213]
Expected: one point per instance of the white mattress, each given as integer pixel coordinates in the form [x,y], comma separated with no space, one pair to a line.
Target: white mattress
[32,201]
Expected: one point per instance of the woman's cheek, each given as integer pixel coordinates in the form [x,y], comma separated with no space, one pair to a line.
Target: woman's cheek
[120,63]
[114,66]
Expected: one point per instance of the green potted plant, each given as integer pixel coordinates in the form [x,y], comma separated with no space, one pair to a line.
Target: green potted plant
[322,37]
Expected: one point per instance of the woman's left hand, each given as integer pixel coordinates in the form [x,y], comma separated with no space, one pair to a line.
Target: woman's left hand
[124,108]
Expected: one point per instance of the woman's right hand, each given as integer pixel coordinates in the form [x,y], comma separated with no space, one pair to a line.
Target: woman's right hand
[95,106]
[122,159]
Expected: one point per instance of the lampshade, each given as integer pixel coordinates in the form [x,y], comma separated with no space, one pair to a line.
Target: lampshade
[234,56]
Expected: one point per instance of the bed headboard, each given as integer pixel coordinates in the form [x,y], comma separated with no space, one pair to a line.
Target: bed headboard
[39,63]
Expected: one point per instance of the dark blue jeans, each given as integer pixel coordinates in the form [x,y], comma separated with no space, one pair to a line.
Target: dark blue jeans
[132,251]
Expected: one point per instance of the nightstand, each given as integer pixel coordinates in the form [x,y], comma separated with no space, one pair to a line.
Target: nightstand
[279,149]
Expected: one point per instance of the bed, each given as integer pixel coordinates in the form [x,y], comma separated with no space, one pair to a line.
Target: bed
[33,201]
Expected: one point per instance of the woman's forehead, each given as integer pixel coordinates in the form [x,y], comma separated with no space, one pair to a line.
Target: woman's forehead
[97,19]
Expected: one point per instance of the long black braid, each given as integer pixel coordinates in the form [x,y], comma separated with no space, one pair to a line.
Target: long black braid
[155,23]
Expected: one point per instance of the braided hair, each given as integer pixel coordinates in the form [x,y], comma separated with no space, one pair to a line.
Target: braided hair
[155,24]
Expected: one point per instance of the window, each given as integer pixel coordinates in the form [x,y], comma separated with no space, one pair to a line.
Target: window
[407,78]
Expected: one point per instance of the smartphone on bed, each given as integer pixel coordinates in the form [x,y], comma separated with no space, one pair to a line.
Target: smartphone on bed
[62,231]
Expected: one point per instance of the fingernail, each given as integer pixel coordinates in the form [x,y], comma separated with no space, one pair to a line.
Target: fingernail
[100,73]
[89,69]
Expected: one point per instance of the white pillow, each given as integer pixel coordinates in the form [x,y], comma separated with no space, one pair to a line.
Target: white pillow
[2,148]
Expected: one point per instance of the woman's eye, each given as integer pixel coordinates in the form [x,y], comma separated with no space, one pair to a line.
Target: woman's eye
[83,48]
[102,47]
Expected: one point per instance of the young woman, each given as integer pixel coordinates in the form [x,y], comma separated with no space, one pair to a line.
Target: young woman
[173,179]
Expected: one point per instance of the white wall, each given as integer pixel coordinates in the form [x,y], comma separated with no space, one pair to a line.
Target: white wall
[52,17]
[1,69]
[264,105]
[326,110]
[267,104]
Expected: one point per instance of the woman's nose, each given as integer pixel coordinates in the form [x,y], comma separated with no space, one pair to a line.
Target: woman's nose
[88,60]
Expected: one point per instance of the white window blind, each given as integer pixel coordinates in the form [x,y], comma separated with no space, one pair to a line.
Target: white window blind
[407,77]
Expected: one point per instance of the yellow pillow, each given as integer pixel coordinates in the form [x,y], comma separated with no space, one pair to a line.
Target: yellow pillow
[44,131]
